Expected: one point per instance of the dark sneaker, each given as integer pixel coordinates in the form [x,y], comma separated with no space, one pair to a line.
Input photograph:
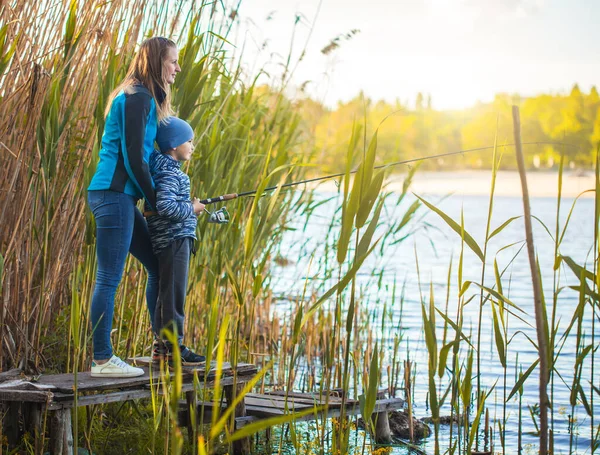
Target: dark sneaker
[189,357]
[162,351]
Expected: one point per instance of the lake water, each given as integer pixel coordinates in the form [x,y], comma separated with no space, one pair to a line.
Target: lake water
[434,244]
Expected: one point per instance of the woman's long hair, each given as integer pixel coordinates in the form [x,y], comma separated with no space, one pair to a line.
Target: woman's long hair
[147,68]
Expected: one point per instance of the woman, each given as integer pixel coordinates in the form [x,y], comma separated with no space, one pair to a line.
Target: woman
[122,177]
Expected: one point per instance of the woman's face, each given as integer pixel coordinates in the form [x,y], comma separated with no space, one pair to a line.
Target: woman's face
[171,67]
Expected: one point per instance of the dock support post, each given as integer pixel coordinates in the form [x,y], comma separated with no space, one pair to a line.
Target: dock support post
[381,421]
[383,434]
[241,446]
[33,417]
[192,414]
[11,423]
[62,433]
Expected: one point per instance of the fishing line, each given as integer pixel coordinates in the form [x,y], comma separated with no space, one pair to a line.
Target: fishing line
[228,197]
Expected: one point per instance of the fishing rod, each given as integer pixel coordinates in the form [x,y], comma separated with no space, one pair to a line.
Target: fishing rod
[221,216]
[229,197]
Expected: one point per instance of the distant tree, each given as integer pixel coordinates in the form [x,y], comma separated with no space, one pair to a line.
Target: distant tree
[573,119]
[419,101]
[595,136]
[593,96]
[576,92]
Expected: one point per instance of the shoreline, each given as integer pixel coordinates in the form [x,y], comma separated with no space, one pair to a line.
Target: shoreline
[477,183]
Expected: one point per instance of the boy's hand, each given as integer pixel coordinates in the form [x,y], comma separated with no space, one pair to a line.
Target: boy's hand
[198,206]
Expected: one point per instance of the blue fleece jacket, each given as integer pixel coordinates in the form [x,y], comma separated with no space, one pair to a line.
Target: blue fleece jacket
[176,218]
[127,142]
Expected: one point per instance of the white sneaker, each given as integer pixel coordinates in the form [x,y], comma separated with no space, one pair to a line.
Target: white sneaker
[115,368]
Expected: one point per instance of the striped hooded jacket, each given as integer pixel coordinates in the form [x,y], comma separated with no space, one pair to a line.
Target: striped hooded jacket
[127,142]
[176,218]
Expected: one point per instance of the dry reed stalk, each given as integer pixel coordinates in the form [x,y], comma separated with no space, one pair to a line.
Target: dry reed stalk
[542,335]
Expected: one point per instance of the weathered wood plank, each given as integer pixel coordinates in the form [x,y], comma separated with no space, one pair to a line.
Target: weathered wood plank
[26,396]
[21,384]
[254,407]
[388,404]
[264,406]
[298,399]
[65,400]
[261,404]
[333,398]
[210,384]
[65,383]
[10,374]
[241,422]
[243,369]
[351,409]
[226,368]
[269,403]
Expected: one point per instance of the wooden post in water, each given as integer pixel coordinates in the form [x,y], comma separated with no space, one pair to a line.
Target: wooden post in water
[241,446]
[381,421]
[487,429]
[540,320]
[408,392]
[383,433]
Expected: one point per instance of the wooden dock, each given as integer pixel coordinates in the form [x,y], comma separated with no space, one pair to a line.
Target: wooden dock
[279,403]
[57,394]
[51,398]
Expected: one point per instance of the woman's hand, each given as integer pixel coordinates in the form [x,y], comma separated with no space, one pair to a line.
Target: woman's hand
[198,206]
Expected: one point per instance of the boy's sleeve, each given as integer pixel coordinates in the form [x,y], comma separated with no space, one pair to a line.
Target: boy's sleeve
[137,108]
[167,205]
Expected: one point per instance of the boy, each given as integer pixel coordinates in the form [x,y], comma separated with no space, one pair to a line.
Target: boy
[172,231]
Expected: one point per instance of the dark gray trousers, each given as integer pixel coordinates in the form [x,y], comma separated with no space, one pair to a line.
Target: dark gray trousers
[173,266]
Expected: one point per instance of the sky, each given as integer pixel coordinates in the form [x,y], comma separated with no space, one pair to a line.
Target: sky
[457,51]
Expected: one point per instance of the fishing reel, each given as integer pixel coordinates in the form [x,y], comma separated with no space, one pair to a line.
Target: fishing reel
[220,216]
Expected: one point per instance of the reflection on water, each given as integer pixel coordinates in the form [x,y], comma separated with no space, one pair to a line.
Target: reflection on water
[434,244]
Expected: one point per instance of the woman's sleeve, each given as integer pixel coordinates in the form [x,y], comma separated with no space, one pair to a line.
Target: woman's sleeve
[167,205]
[137,109]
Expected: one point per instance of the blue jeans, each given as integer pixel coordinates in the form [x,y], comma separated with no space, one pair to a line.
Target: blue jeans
[120,229]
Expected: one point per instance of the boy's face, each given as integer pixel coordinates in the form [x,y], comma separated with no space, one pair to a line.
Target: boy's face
[183,152]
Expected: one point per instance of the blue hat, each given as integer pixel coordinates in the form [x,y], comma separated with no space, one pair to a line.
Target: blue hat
[172,133]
